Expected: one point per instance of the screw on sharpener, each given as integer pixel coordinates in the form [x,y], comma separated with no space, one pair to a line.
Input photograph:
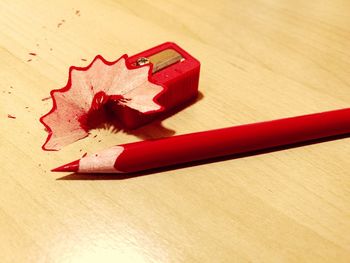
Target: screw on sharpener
[142,61]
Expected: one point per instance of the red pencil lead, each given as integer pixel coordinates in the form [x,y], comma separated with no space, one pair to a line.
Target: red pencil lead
[69,167]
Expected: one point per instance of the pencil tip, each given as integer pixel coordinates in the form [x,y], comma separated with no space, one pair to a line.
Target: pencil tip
[69,167]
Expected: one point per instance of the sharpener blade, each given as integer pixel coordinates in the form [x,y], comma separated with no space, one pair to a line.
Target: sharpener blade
[161,60]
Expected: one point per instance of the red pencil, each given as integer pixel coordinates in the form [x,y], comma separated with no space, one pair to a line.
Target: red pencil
[138,156]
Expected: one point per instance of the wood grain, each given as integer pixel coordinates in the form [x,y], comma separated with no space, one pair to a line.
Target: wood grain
[261,59]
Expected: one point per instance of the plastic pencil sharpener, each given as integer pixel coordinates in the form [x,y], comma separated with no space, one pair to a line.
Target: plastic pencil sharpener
[172,68]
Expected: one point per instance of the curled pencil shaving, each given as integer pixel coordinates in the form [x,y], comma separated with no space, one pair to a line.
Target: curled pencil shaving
[90,94]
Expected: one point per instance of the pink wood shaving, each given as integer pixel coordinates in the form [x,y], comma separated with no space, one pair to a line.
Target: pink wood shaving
[87,92]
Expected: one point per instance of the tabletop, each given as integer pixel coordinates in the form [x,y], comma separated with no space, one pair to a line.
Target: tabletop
[260,60]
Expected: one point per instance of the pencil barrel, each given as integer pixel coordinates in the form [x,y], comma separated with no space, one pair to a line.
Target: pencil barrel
[233,140]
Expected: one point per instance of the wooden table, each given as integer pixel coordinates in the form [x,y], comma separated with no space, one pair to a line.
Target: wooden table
[261,59]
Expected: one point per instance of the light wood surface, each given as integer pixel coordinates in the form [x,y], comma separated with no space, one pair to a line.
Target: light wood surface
[261,59]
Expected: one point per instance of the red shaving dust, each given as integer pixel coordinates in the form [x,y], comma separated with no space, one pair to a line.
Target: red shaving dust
[32,54]
[46,98]
[61,23]
[11,116]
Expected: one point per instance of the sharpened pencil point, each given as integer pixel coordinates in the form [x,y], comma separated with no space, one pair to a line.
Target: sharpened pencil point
[69,167]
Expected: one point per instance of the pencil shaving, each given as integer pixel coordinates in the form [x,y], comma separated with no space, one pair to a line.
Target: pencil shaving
[90,94]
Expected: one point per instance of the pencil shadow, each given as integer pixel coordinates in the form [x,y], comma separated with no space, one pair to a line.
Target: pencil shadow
[154,129]
[76,176]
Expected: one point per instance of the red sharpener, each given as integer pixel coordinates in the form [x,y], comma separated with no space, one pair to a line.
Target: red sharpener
[174,69]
